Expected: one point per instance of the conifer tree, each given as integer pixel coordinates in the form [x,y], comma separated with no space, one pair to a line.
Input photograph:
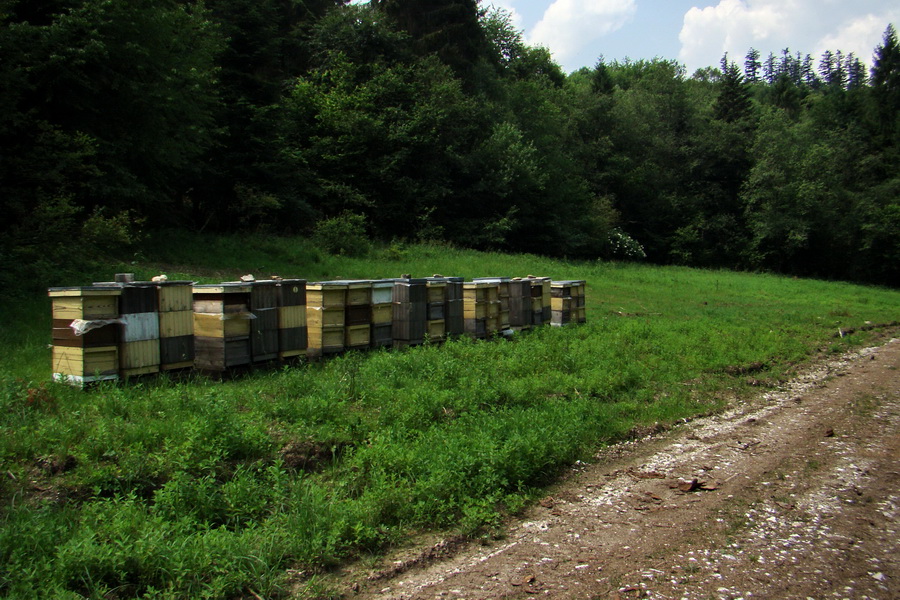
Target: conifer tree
[752,65]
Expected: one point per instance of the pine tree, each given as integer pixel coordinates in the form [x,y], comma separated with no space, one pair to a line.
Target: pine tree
[810,79]
[826,66]
[856,72]
[752,65]
[886,84]
[769,71]
[733,102]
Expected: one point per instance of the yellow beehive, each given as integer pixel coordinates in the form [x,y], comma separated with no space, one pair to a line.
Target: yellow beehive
[176,323]
[85,303]
[223,325]
[327,339]
[317,317]
[436,330]
[326,295]
[357,336]
[79,363]
[381,314]
[139,358]
[291,316]
[175,297]
[359,292]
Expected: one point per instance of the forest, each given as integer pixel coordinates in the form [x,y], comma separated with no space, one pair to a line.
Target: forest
[433,120]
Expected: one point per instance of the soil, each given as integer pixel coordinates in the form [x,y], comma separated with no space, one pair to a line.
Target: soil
[792,494]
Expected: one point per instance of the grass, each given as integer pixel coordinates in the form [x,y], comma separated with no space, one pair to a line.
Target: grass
[173,488]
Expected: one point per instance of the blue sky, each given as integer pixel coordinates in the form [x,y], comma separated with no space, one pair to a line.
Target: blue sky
[698,32]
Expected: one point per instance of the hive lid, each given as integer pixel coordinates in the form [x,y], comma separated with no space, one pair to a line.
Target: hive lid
[91,290]
[228,287]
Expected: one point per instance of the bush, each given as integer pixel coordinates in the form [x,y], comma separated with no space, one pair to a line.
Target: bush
[344,235]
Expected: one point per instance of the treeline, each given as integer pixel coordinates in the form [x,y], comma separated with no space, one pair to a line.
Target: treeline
[434,120]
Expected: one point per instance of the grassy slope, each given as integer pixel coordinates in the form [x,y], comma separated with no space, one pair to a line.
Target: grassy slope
[203,489]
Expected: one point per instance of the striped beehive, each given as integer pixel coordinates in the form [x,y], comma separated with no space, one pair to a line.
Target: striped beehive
[540,300]
[292,330]
[176,324]
[222,326]
[410,311]
[382,313]
[325,317]
[358,321]
[503,296]
[520,317]
[85,334]
[454,313]
[139,312]
[567,302]
[481,308]
[436,308]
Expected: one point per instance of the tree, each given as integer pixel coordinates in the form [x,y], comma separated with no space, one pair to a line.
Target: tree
[733,102]
[448,28]
[752,65]
[886,87]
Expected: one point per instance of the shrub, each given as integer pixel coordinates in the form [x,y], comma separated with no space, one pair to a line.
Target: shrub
[344,235]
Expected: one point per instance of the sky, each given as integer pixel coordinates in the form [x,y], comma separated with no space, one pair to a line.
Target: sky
[697,33]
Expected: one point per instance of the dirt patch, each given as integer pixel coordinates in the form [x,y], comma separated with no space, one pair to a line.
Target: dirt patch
[795,494]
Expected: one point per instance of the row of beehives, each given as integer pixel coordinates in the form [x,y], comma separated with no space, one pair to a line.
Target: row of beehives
[126,329]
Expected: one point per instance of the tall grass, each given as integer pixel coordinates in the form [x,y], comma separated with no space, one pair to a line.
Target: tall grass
[174,488]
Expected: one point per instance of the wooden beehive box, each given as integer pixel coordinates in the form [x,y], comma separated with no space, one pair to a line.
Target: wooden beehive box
[85,303]
[292,327]
[326,303]
[382,291]
[357,336]
[520,304]
[264,335]
[326,294]
[79,365]
[222,326]
[175,296]
[94,355]
[410,304]
[567,302]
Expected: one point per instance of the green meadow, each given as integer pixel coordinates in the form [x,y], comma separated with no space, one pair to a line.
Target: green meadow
[187,487]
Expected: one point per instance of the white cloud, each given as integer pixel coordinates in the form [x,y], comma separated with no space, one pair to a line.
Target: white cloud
[808,26]
[568,26]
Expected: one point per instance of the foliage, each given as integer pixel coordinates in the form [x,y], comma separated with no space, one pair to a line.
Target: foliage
[434,121]
[343,235]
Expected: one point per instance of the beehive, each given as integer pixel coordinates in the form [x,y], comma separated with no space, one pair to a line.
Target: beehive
[326,303]
[540,300]
[410,306]
[222,325]
[176,324]
[382,313]
[139,327]
[453,313]
[503,297]
[358,314]
[520,317]
[93,355]
[292,329]
[481,308]
[264,324]
[436,308]
[567,302]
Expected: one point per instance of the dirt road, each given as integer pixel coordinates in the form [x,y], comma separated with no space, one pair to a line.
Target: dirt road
[795,494]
